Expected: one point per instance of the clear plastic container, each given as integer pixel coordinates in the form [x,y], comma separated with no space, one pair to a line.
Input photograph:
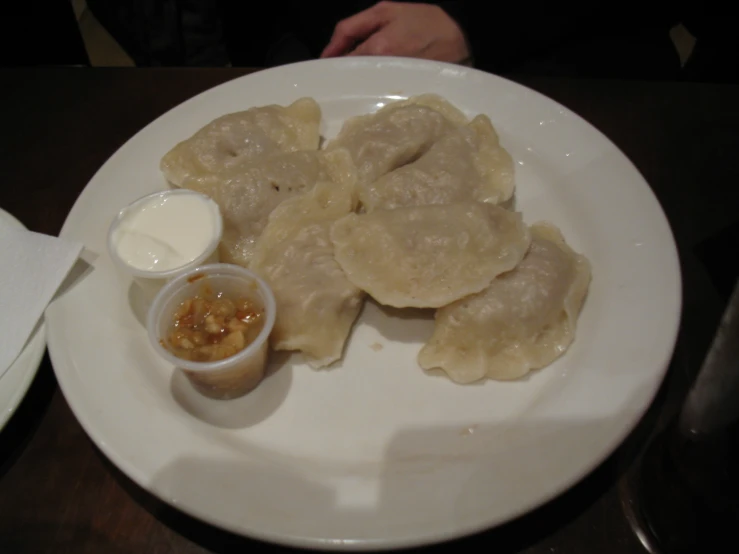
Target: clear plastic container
[150,282]
[233,376]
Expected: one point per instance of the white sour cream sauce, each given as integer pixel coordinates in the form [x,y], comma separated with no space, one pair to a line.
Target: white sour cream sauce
[167,231]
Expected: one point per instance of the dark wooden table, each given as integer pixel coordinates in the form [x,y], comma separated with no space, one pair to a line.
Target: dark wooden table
[58,493]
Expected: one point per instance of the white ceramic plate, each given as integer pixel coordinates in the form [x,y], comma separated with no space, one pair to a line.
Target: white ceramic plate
[15,381]
[375,453]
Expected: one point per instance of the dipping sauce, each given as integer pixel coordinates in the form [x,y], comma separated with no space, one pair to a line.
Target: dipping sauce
[167,230]
[213,323]
[208,328]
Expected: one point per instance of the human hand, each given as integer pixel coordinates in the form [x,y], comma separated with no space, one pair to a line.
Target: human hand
[400,29]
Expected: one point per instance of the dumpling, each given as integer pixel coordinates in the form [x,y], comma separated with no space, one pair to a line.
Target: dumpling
[467,163]
[433,101]
[396,134]
[316,303]
[246,197]
[524,320]
[429,256]
[242,138]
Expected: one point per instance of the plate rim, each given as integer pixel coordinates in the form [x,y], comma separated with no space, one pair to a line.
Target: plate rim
[461,530]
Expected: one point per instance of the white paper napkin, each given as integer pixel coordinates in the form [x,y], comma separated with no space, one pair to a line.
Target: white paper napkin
[32,266]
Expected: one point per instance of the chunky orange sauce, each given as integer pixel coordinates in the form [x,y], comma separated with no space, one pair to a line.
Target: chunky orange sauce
[210,327]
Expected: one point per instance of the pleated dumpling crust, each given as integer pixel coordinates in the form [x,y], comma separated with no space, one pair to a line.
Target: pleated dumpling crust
[523,321]
[429,256]
[396,134]
[243,138]
[247,197]
[466,163]
[316,304]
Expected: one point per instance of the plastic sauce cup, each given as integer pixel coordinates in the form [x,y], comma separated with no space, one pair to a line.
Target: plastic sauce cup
[200,229]
[233,376]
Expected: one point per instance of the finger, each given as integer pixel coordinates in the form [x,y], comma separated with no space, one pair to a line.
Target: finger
[354,29]
[382,43]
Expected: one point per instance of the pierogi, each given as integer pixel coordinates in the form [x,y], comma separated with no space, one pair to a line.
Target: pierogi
[429,256]
[523,321]
[407,205]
